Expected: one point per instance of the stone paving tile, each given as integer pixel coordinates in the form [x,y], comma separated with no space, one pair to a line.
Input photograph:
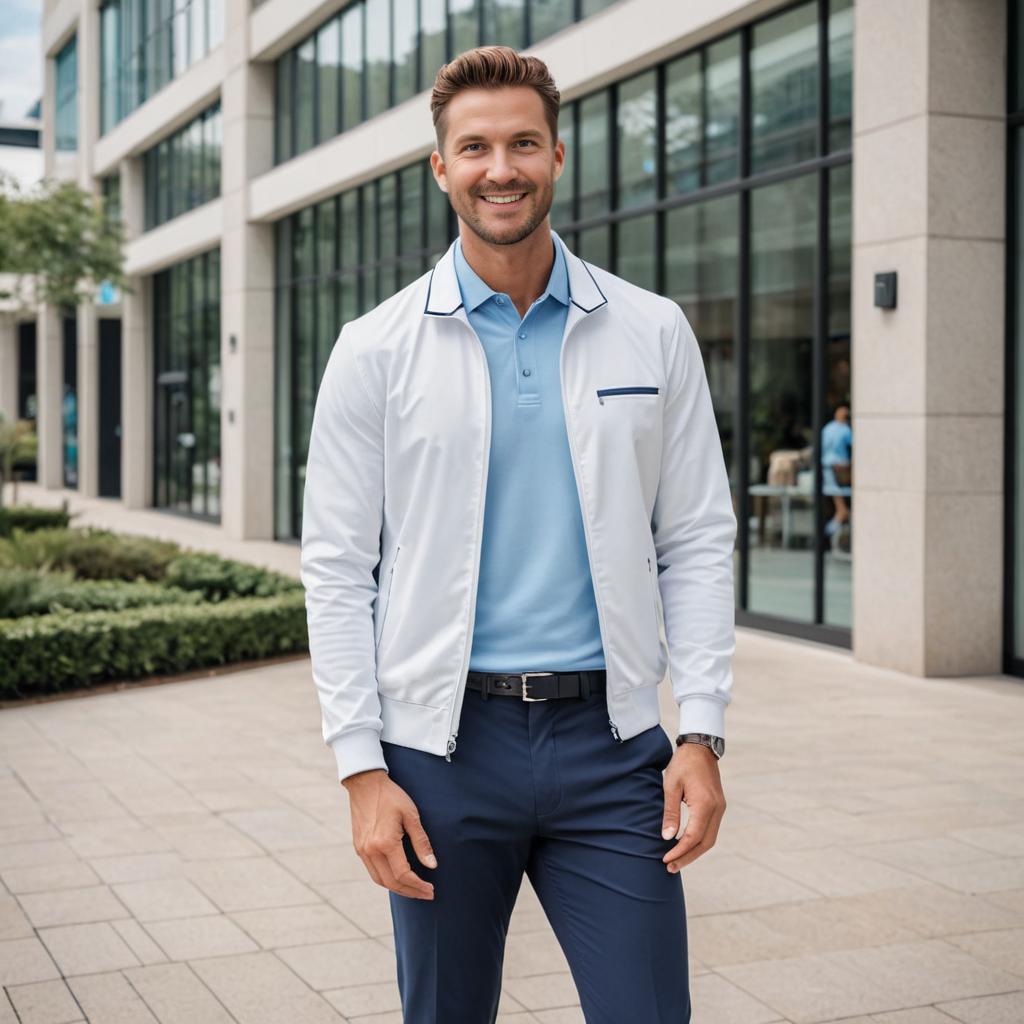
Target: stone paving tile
[87,948]
[110,999]
[7,1015]
[363,902]
[24,855]
[72,906]
[714,998]
[44,1002]
[990,875]
[259,989]
[138,867]
[279,927]
[197,937]
[13,922]
[163,899]
[319,865]
[40,878]
[141,944]
[23,961]
[248,884]
[1002,949]
[1000,1009]
[544,991]
[206,840]
[176,995]
[111,839]
[277,829]
[1005,840]
[725,883]
[360,1001]
[27,832]
[328,965]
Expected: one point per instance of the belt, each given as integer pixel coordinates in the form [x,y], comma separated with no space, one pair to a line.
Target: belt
[538,685]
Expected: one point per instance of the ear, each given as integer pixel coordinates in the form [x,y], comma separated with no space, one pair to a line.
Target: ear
[559,158]
[439,170]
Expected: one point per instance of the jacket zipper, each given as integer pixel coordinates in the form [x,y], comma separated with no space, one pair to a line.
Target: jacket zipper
[579,490]
[460,688]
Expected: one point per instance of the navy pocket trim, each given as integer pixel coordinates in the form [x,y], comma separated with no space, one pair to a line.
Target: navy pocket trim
[603,392]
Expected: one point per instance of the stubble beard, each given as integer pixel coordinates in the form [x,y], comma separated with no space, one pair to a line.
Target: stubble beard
[540,207]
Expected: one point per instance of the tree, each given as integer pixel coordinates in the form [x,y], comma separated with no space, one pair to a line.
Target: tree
[58,237]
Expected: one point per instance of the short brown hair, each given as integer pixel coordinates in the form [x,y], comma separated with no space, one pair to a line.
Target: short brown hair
[492,67]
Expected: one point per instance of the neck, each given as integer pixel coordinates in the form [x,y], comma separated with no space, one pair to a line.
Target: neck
[521,270]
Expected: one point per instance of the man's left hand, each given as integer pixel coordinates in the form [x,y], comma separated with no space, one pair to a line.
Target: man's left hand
[692,778]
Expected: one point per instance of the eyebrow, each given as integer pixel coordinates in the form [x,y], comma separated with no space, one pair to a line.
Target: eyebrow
[526,133]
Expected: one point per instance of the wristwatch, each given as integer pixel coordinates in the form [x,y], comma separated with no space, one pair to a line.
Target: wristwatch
[714,743]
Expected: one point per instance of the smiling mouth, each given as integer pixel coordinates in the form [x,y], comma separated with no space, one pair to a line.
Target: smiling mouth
[503,200]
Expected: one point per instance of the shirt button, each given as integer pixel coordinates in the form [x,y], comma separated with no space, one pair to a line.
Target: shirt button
[526,373]
[522,334]
[500,301]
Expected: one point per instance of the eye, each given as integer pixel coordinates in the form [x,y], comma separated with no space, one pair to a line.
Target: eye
[469,145]
[528,142]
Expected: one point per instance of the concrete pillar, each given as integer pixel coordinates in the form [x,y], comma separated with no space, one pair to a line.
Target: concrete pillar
[50,396]
[8,369]
[88,386]
[247,293]
[136,357]
[929,155]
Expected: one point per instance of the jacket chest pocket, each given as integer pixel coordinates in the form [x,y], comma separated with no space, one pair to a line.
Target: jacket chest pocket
[629,393]
[385,595]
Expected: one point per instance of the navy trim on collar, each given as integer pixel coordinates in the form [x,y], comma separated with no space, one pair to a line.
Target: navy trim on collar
[426,305]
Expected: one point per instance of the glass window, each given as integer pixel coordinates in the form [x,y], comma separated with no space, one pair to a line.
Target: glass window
[638,140]
[722,127]
[283,134]
[635,253]
[410,228]
[305,95]
[433,48]
[595,246]
[782,242]
[684,123]
[784,89]
[378,56]
[565,187]
[840,73]
[590,7]
[504,22]
[465,25]
[548,17]
[66,98]
[406,34]
[352,66]
[110,53]
[594,157]
[328,58]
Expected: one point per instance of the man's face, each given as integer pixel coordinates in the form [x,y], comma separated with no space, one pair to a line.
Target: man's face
[500,164]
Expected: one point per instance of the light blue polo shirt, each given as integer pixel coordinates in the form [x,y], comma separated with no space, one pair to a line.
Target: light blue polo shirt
[535,607]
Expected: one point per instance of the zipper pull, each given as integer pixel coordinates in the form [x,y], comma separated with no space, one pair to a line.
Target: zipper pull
[600,398]
[615,731]
[451,747]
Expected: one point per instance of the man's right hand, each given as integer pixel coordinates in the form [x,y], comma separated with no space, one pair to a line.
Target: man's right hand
[381,812]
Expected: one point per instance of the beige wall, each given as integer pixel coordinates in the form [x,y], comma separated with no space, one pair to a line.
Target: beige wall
[929,169]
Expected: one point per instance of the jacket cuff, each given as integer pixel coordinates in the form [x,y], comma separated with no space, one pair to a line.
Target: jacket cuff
[358,751]
[702,714]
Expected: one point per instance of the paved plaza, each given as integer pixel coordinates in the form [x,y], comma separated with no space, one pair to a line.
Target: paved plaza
[181,852]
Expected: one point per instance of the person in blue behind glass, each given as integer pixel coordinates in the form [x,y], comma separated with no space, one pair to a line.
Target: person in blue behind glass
[837,451]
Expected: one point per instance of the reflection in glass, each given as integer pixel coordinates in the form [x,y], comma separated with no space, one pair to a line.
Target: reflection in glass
[433,19]
[840,73]
[464,24]
[635,255]
[548,17]
[186,336]
[837,435]
[562,205]
[66,96]
[404,58]
[378,56]
[595,197]
[594,246]
[638,140]
[782,242]
[702,276]
[504,22]
[305,108]
[328,57]
[352,81]
[784,89]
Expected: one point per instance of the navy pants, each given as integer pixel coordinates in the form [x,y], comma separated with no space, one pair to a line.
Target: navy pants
[542,788]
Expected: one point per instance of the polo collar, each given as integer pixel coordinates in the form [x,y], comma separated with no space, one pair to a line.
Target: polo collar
[444,297]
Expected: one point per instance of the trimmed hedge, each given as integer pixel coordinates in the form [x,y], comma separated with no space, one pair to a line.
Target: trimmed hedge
[46,654]
[219,579]
[32,592]
[29,518]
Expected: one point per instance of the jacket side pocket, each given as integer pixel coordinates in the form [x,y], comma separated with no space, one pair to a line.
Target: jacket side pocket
[387,597]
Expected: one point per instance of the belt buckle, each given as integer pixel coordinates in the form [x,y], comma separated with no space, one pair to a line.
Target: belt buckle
[523,675]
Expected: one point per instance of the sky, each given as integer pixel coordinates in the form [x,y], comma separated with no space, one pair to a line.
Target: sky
[20,79]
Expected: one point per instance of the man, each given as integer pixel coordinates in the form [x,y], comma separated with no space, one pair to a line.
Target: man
[523,447]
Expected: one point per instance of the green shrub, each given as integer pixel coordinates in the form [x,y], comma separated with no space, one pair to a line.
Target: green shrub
[49,653]
[89,553]
[219,579]
[33,592]
[30,518]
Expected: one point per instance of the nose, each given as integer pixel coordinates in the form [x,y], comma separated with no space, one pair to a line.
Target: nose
[501,170]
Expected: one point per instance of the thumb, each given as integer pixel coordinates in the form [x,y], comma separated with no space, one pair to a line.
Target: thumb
[670,820]
[418,837]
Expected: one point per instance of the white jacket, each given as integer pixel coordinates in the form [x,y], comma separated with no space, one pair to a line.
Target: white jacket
[396,478]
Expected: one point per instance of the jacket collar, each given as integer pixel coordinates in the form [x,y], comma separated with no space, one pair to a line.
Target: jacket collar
[444,297]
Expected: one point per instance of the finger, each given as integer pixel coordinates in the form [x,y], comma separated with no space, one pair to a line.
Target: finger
[696,827]
[389,881]
[403,872]
[670,819]
[691,855]
[418,837]
[371,869]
